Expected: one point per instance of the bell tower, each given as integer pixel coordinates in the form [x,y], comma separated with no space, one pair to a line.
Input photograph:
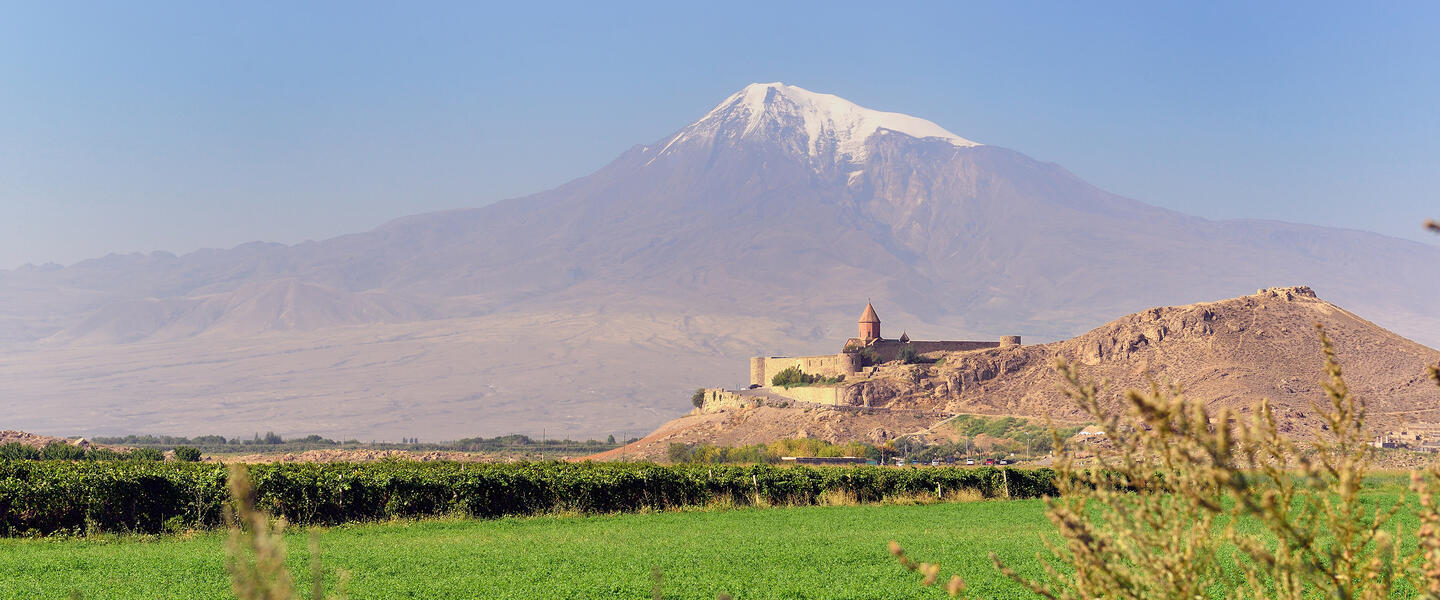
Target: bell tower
[869,325]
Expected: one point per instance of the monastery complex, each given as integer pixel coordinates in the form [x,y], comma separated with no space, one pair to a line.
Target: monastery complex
[861,352]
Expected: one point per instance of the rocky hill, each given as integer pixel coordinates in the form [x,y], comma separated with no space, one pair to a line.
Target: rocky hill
[1229,353]
[40,441]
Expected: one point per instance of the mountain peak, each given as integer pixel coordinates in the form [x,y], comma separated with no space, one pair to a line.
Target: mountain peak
[821,125]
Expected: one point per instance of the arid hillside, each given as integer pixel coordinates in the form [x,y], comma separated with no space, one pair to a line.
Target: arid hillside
[1229,353]
[614,373]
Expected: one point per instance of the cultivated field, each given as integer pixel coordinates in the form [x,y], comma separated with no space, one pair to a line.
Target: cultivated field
[750,553]
[808,552]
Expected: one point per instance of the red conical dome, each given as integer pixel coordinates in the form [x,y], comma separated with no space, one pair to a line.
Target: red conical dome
[869,324]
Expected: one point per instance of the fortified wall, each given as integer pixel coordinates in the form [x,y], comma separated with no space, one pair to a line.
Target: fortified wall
[851,359]
[763,369]
[888,350]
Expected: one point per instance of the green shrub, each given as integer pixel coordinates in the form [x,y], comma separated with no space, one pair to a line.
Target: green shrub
[678,452]
[698,398]
[103,454]
[145,455]
[908,355]
[1015,435]
[62,451]
[789,376]
[19,451]
[770,453]
[47,497]
[868,357]
[187,454]
[1211,475]
[793,376]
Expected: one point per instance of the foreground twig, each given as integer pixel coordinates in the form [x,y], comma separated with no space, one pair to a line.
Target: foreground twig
[1155,513]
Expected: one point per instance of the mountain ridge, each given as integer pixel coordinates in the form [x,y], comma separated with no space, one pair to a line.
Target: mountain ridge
[961,241]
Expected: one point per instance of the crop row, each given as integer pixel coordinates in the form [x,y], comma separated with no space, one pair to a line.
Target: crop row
[45,497]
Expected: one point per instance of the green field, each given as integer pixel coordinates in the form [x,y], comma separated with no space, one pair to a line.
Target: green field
[806,552]
[796,552]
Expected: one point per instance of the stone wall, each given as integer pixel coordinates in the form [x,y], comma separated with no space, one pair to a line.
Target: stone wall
[821,394]
[763,369]
[888,350]
[717,400]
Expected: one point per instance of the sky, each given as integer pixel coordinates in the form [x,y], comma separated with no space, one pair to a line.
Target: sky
[148,126]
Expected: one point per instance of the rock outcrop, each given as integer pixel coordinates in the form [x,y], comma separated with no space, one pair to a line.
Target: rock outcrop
[1228,354]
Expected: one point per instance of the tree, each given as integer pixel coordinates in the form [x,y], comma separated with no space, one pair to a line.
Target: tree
[145,455]
[791,376]
[697,398]
[610,440]
[62,451]
[908,355]
[868,357]
[103,454]
[678,452]
[19,451]
[187,454]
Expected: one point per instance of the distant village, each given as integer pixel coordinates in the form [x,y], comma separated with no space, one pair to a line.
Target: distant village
[1421,438]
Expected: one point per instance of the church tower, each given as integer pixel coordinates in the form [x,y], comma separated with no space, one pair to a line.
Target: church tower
[869,325]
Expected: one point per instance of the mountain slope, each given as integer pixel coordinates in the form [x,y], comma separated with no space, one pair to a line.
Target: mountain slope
[805,197]
[255,308]
[779,206]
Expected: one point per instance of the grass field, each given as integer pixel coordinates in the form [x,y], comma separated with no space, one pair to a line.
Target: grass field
[810,552]
[805,552]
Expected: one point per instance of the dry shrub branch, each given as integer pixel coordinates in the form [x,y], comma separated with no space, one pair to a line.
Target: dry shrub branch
[1185,502]
[256,548]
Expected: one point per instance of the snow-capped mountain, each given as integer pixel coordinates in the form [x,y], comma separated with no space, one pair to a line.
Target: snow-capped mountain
[783,199]
[828,129]
[760,228]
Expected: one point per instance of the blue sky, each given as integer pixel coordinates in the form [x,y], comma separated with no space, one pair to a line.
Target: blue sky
[172,126]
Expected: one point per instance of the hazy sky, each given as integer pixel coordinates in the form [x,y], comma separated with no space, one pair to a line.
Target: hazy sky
[146,126]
